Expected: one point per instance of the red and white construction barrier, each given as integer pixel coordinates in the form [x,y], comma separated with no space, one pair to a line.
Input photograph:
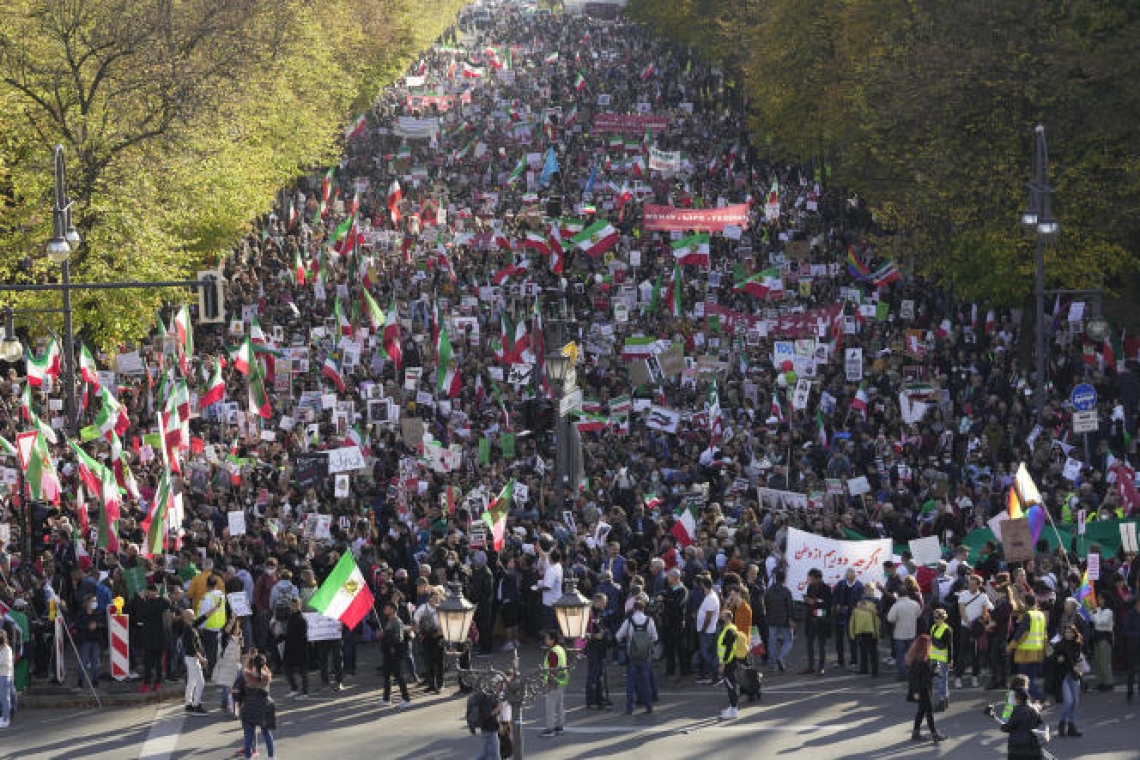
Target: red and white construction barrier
[117,626]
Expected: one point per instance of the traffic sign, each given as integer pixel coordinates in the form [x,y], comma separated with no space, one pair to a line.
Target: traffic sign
[1085,422]
[1083,397]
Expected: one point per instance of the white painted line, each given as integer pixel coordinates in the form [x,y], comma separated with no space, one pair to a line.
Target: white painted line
[719,726]
[164,732]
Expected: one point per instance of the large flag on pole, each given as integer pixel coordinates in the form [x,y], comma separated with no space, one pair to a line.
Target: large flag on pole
[344,595]
[496,514]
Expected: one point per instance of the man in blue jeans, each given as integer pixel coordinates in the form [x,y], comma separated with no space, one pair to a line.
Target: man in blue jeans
[707,616]
[781,620]
[639,634]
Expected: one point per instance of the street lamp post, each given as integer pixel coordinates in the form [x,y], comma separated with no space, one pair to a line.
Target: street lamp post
[572,611]
[64,236]
[1038,220]
[557,366]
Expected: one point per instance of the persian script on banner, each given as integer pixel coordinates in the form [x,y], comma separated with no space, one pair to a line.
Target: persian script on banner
[673,219]
[833,558]
[664,160]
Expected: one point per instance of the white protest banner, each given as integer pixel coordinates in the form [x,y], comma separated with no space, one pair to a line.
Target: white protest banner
[342,487]
[237,523]
[412,377]
[1094,566]
[833,558]
[520,374]
[926,551]
[853,364]
[522,493]
[1128,538]
[345,460]
[664,160]
[1072,469]
[322,628]
[239,604]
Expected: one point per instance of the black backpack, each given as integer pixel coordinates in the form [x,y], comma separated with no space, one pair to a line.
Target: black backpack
[480,708]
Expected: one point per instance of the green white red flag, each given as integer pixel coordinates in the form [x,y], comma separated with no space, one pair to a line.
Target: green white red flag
[344,595]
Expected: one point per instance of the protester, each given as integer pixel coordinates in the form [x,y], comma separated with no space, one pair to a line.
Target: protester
[1069,658]
[7,672]
[557,675]
[920,679]
[729,645]
[1023,743]
[194,656]
[393,649]
[638,634]
[257,709]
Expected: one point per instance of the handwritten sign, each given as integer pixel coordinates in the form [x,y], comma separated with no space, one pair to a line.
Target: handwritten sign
[833,558]
[239,603]
[346,459]
[322,628]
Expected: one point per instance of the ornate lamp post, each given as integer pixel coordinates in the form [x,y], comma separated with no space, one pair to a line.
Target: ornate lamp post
[456,614]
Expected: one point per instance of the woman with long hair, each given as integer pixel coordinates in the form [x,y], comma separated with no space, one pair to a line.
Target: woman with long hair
[257,710]
[920,680]
[228,666]
[1067,656]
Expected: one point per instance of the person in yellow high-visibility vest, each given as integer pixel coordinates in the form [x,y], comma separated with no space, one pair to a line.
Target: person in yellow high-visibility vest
[728,660]
[212,618]
[558,676]
[941,644]
[1028,644]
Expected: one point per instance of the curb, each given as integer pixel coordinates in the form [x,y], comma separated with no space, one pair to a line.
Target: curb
[87,702]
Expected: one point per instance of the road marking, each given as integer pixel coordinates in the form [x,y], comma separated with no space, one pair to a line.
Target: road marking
[163,737]
[715,724]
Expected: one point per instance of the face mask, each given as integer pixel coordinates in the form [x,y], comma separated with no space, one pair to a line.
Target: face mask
[451,563]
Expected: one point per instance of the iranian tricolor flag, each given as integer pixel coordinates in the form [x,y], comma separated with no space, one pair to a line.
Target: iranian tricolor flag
[685,526]
[536,241]
[859,403]
[675,292]
[243,357]
[648,71]
[442,357]
[394,196]
[344,595]
[496,514]
[716,419]
[39,471]
[766,284]
[392,337]
[258,398]
[692,250]
[298,268]
[341,318]
[518,171]
[216,390]
[331,370]
[185,334]
[87,367]
[596,239]
[375,313]
[356,129]
[579,82]
[112,417]
[45,366]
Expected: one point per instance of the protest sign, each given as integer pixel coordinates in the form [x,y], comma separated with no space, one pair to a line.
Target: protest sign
[345,459]
[832,557]
[236,522]
[239,604]
[926,551]
[1017,540]
[321,628]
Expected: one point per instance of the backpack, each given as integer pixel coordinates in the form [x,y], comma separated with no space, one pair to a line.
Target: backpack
[284,605]
[640,642]
[480,709]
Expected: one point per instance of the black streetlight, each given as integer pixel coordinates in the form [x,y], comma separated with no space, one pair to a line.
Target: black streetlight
[1039,221]
[64,237]
[456,614]
[557,367]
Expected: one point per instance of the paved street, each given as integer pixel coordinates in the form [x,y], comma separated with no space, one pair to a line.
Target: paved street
[837,716]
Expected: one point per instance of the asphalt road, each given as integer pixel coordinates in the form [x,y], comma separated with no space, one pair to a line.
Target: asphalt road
[838,715]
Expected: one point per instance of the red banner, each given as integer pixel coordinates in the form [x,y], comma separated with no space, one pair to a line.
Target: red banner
[635,123]
[672,219]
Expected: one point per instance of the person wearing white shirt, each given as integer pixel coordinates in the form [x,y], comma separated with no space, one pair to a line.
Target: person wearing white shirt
[551,588]
[707,615]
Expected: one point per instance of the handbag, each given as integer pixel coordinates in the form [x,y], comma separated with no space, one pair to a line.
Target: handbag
[269,723]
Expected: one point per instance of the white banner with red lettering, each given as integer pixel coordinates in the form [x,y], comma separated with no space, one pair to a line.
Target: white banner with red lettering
[833,557]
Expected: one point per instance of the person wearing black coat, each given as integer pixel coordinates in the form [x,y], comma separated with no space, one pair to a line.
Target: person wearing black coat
[920,681]
[1023,744]
[148,617]
[818,623]
[482,592]
[296,655]
[674,621]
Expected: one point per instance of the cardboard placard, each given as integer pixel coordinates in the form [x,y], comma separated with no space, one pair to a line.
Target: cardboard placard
[1017,540]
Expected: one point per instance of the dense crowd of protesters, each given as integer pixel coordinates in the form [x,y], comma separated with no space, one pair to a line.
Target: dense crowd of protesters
[937,418]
